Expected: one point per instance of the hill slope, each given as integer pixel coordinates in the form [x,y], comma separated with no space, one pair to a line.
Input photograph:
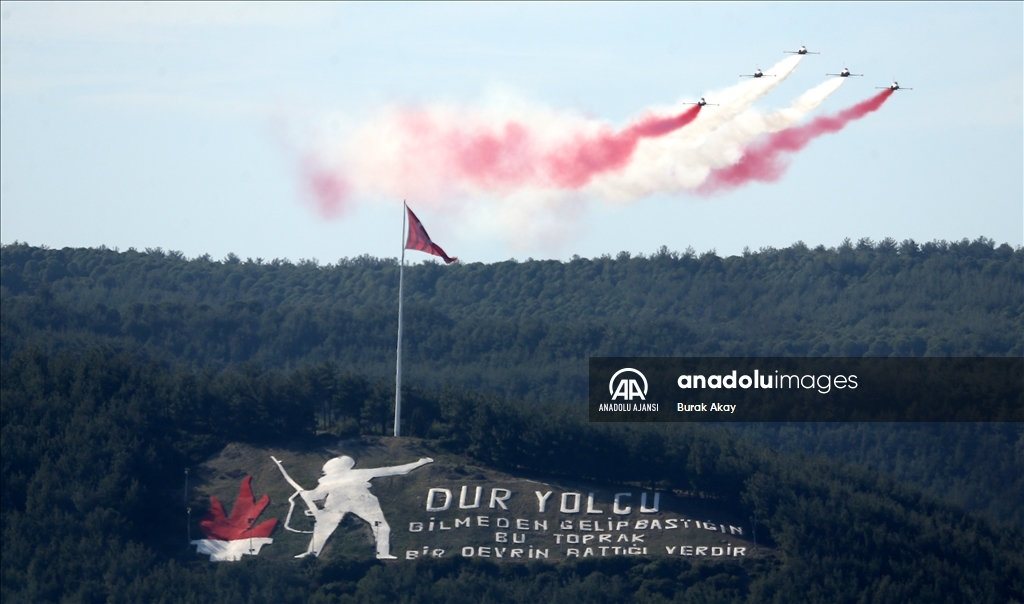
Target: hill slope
[93,449]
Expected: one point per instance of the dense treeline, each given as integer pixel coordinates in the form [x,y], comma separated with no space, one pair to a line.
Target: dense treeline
[525,330]
[120,368]
[627,287]
[93,443]
[979,466]
[522,329]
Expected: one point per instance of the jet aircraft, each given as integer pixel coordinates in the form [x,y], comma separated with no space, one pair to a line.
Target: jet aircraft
[845,73]
[894,86]
[756,74]
[702,103]
[803,51]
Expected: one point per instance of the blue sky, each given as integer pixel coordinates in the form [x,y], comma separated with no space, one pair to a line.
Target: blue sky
[175,125]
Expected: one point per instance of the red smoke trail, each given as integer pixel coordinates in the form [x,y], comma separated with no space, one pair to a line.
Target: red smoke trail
[494,161]
[764,161]
[513,156]
[329,188]
[575,164]
[498,159]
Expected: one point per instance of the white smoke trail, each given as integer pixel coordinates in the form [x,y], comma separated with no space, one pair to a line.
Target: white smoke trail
[420,154]
[411,152]
[737,99]
[751,124]
[682,161]
[422,151]
[676,163]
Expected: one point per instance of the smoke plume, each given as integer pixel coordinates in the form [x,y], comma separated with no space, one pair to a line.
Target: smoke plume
[682,162]
[508,166]
[578,162]
[766,160]
[436,152]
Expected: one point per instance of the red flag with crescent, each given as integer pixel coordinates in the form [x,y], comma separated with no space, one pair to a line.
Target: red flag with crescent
[419,240]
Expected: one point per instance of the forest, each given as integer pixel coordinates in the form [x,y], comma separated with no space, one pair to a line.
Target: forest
[121,368]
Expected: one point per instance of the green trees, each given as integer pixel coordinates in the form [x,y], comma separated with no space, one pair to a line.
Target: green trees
[118,369]
[879,299]
[93,446]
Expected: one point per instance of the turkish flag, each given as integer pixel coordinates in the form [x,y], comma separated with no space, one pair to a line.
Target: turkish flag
[419,240]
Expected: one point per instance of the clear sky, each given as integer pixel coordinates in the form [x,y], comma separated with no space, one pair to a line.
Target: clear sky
[181,126]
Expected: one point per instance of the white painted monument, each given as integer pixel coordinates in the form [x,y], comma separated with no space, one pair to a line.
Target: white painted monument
[342,490]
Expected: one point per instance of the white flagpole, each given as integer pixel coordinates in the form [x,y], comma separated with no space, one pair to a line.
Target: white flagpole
[398,363]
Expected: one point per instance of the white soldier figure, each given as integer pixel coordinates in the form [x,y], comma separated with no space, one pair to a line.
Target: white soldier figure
[342,490]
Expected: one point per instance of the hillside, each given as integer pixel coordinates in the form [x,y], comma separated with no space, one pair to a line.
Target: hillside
[94,447]
[507,508]
[121,369]
[525,330]
[477,321]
